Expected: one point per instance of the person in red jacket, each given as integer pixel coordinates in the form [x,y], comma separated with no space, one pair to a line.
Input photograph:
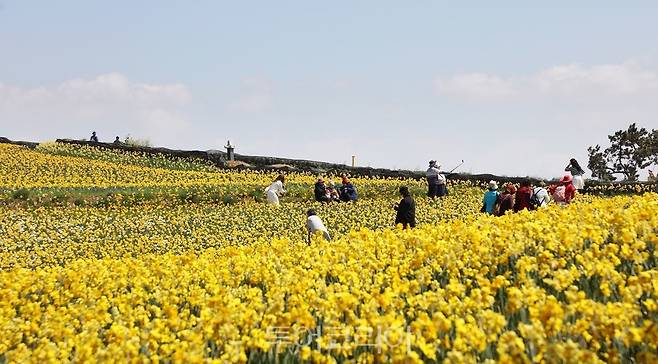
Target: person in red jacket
[506,199]
[565,191]
[522,199]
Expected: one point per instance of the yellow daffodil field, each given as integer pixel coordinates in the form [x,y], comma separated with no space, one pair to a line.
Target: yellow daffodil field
[120,257]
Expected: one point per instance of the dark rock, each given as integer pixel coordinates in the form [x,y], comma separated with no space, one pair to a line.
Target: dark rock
[30,145]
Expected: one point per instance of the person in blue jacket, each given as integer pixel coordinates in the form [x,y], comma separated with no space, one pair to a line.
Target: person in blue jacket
[348,191]
[490,198]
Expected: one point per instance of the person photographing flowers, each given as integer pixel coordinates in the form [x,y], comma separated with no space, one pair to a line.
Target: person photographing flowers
[574,168]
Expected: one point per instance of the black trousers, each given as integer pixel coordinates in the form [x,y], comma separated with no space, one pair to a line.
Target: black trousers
[442,190]
[433,190]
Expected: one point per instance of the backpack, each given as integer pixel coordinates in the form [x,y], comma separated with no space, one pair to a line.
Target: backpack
[534,200]
[559,195]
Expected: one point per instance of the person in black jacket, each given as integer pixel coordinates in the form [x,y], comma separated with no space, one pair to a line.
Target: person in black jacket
[320,191]
[406,209]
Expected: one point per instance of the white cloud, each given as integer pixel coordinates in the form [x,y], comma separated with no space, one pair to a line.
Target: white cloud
[111,104]
[542,119]
[583,83]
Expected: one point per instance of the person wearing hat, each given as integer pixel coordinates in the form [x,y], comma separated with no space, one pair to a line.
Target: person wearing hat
[93,138]
[347,190]
[565,191]
[506,199]
[490,198]
[406,209]
[436,181]
[320,191]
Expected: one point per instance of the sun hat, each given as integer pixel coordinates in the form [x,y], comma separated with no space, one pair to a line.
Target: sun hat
[567,178]
[432,162]
[493,185]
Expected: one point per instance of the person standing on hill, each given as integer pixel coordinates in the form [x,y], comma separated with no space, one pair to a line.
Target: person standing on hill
[93,138]
[275,189]
[436,181]
[406,209]
[574,168]
[522,197]
[313,224]
[490,198]
[506,199]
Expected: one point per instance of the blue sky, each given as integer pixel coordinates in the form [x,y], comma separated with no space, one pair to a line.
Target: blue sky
[511,88]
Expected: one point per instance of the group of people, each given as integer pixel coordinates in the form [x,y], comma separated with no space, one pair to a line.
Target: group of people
[494,202]
[94,138]
[529,197]
[327,192]
[322,192]
[436,180]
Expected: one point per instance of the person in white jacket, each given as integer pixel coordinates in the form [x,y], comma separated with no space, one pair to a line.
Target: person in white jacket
[313,224]
[275,189]
[540,194]
[436,181]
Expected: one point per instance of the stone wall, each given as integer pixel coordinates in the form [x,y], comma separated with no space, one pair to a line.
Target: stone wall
[30,145]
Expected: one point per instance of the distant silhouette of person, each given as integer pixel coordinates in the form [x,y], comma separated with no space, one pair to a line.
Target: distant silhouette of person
[406,209]
[93,138]
[117,141]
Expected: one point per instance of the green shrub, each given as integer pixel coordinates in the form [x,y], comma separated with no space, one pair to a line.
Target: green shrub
[228,200]
[21,194]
